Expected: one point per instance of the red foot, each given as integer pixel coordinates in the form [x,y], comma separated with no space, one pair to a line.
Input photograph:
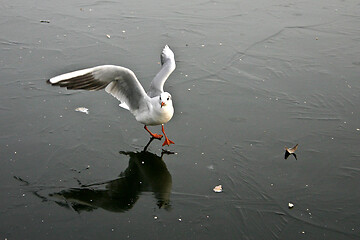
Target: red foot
[168,142]
[154,135]
[157,136]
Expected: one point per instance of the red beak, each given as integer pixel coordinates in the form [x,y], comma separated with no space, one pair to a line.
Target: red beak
[162,104]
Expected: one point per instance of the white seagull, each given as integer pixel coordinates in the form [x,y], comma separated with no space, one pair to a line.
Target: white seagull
[152,108]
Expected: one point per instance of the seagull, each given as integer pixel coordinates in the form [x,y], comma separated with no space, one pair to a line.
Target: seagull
[152,108]
[291,151]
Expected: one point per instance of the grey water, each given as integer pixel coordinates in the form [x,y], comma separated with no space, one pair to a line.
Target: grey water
[252,78]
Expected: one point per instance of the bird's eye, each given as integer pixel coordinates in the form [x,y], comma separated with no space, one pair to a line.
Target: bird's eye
[168,98]
[160,98]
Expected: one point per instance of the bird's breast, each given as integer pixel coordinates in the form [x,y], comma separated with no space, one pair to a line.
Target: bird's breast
[156,116]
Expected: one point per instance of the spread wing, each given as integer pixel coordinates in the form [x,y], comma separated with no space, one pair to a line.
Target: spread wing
[167,67]
[118,81]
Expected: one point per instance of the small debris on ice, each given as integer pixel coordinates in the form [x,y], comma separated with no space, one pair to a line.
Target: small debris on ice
[107,35]
[211,167]
[291,151]
[82,109]
[218,189]
[291,205]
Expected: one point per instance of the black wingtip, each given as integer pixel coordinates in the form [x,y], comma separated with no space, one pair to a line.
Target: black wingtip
[48,81]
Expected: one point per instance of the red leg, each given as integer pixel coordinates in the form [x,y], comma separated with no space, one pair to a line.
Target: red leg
[167,141]
[154,135]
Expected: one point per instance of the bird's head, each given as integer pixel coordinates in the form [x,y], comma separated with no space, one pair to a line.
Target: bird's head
[165,99]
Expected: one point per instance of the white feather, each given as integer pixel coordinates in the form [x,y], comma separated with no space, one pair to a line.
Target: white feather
[168,66]
[70,75]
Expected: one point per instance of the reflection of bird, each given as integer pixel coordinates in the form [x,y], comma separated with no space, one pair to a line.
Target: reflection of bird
[153,108]
[291,151]
[146,172]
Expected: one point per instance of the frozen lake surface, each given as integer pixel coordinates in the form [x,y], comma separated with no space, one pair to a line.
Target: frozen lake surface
[252,77]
